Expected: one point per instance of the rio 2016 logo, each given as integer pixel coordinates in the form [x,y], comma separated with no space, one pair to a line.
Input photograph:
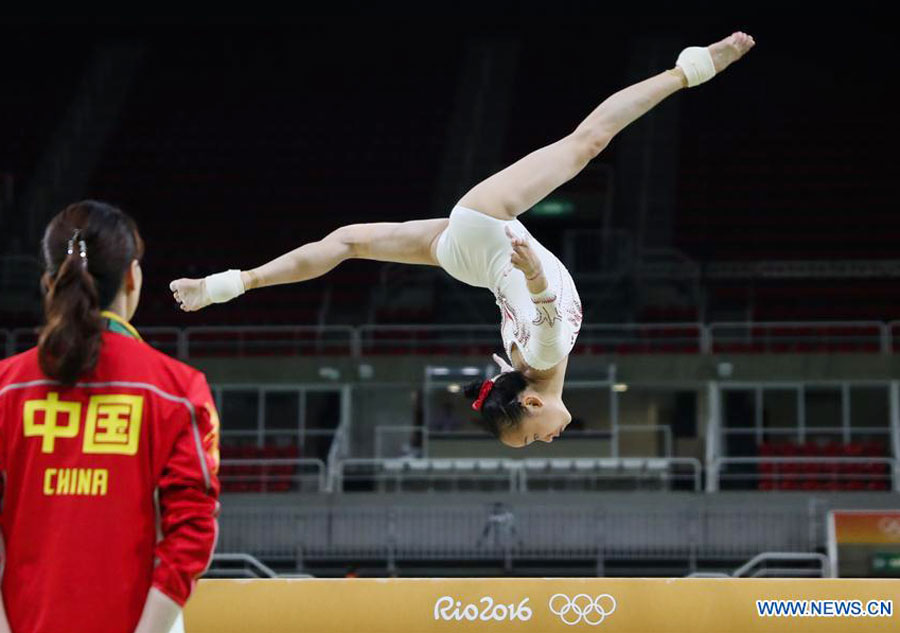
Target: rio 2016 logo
[449,609]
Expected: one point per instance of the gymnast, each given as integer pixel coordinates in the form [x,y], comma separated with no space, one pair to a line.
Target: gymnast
[484,244]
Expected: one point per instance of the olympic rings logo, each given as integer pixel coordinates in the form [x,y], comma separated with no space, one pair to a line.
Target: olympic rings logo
[583,608]
[889,526]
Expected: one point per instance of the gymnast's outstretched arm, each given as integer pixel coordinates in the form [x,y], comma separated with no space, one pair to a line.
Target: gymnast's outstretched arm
[520,186]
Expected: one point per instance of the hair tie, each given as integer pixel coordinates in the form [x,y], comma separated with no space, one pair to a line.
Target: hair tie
[82,247]
[486,387]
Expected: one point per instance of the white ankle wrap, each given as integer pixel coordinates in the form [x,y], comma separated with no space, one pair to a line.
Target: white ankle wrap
[697,64]
[225,286]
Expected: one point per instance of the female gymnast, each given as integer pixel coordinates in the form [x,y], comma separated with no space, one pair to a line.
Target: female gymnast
[483,244]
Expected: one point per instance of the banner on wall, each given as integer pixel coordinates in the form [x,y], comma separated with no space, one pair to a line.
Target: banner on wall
[864,543]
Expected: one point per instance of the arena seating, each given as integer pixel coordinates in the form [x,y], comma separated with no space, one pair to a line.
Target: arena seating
[823,475]
[256,476]
[804,300]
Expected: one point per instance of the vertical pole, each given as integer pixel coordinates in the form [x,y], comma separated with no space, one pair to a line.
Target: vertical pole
[713,434]
[392,543]
[613,412]
[812,515]
[302,416]
[379,449]
[845,412]
[426,400]
[758,414]
[895,431]
[356,342]
[601,541]
[346,418]
[706,334]
[261,417]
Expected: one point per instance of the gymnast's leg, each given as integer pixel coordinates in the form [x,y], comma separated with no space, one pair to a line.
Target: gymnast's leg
[519,187]
[400,242]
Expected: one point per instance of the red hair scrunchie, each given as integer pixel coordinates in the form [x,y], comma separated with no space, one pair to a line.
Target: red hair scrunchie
[486,387]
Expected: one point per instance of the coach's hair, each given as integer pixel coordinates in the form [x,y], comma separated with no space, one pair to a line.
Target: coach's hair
[501,410]
[77,287]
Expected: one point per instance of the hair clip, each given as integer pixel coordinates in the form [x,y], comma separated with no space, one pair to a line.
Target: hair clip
[82,247]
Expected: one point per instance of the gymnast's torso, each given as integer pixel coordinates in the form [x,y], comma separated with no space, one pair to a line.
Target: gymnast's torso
[475,249]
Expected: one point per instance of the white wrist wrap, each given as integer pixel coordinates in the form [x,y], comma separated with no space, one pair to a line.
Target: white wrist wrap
[697,64]
[223,287]
[545,296]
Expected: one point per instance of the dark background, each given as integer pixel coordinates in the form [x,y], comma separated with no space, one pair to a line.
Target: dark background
[242,137]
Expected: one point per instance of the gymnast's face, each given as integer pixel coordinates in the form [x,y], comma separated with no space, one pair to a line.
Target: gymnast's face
[545,419]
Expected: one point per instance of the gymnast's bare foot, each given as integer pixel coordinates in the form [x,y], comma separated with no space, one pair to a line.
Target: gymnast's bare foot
[732,48]
[190,294]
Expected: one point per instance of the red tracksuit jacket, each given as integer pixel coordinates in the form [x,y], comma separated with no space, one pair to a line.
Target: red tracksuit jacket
[109,487]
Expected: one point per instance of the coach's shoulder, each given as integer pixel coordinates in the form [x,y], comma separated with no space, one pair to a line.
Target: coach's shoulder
[20,367]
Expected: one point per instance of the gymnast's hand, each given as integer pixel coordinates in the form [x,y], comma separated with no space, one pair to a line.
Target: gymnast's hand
[190,294]
[523,257]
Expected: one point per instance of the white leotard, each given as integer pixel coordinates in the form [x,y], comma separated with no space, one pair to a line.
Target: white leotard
[475,249]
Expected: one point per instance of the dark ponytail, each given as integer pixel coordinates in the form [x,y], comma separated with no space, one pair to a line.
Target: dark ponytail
[501,410]
[70,341]
[87,249]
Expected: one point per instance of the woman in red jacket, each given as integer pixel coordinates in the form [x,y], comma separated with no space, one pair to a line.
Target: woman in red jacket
[108,450]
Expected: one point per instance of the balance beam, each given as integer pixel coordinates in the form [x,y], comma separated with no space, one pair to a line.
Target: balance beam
[486,605]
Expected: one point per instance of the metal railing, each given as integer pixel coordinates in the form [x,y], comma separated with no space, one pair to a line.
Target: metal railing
[893,335]
[789,336]
[440,339]
[759,566]
[561,473]
[389,475]
[604,473]
[416,441]
[337,453]
[169,340]
[762,561]
[401,441]
[270,340]
[595,338]
[224,566]
[211,341]
[838,431]
[516,475]
[807,469]
[600,338]
[273,475]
